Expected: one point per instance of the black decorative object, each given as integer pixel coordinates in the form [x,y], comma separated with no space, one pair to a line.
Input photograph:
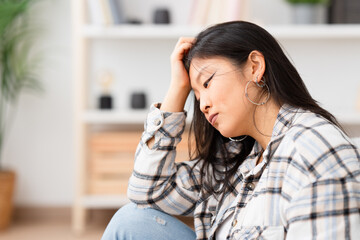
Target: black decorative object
[344,11]
[105,102]
[134,21]
[161,16]
[138,100]
[105,99]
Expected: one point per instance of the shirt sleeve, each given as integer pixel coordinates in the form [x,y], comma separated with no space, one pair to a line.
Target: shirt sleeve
[157,181]
[324,200]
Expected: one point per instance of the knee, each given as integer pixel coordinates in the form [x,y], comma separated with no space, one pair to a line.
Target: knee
[131,222]
[122,223]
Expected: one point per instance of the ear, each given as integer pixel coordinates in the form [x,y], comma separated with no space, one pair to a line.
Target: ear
[257,64]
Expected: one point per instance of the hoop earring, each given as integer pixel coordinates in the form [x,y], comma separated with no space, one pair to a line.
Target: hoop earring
[261,86]
[237,140]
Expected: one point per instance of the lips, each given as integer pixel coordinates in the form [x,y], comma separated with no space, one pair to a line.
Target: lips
[212,118]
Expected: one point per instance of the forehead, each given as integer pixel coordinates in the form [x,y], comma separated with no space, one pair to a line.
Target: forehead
[207,66]
[199,64]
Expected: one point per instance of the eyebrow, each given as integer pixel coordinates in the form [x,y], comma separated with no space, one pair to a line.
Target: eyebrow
[200,72]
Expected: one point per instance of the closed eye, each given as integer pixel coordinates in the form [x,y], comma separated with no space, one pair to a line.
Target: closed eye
[206,83]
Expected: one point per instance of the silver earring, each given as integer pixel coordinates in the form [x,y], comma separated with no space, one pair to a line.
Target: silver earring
[261,86]
[261,81]
[237,140]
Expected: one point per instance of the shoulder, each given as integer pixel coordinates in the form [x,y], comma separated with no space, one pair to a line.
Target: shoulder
[322,149]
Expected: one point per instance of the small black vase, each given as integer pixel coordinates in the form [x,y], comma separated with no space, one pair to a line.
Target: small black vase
[105,102]
[138,100]
[161,16]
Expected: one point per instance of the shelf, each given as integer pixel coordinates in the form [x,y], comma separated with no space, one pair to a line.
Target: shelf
[115,117]
[316,31]
[139,31]
[348,118]
[118,117]
[104,201]
[139,117]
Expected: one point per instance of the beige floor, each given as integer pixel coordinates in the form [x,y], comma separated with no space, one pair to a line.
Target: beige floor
[55,224]
[49,230]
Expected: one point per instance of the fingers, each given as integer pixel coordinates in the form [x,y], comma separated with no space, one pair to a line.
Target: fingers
[185,40]
[181,50]
[182,47]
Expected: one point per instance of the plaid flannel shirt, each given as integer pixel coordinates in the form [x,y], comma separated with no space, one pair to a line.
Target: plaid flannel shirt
[306,187]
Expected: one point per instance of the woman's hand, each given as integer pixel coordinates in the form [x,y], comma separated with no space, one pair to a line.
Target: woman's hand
[180,83]
[179,75]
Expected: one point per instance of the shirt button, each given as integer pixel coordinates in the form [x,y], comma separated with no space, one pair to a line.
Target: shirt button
[157,122]
[250,186]
[234,223]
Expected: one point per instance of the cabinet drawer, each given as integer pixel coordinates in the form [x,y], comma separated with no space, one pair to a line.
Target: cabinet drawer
[114,162]
[111,160]
[108,186]
[115,141]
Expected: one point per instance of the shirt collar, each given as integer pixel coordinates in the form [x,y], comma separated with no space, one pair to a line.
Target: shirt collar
[249,164]
[284,119]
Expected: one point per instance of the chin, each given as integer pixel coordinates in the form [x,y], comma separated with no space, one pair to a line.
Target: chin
[229,133]
[226,134]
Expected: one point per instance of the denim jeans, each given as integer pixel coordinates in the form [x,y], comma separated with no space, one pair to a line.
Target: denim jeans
[133,223]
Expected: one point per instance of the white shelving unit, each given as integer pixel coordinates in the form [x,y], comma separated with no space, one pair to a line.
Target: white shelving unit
[114,117]
[84,118]
[348,118]
[139,31]
[338,31]
[138,117]
[313,32]
[172,31]
[104,202]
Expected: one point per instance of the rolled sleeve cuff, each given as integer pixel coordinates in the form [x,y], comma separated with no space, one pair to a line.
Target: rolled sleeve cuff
[164,126]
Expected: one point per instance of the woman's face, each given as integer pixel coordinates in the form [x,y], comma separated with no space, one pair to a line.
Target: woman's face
[220,88]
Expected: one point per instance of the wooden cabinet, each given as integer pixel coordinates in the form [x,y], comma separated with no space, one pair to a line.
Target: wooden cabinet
[111,159]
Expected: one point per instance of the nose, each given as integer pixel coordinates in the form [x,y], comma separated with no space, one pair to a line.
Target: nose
[204,105]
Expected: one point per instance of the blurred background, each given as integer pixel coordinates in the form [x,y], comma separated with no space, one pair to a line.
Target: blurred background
[101,63]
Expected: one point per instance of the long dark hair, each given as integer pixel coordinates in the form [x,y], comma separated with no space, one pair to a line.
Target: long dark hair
[235,41]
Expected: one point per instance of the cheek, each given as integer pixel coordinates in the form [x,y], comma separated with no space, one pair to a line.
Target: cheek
[235,95]
[236,104]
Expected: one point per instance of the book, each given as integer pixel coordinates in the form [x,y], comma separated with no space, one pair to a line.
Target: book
[233,10]
[116,11]
[208,12]
[95,13]
[244,10]
[105,8]
[199,12]
[215,12]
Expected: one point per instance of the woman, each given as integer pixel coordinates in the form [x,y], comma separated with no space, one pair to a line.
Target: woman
[269,162]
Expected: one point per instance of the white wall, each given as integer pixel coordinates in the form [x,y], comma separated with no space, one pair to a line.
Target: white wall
[40,144]
[40,147]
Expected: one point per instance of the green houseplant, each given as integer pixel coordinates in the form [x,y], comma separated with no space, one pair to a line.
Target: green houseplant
[308,11]
[17,65]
